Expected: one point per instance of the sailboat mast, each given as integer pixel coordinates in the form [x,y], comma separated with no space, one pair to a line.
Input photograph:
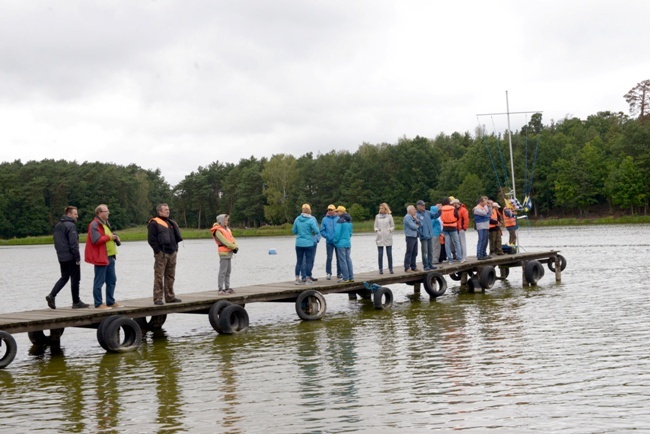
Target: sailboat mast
[512,160]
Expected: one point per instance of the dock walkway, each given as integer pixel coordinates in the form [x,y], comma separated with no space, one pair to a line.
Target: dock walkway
[310,303]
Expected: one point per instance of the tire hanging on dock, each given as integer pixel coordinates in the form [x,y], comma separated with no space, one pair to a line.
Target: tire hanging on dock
[10,347]
[122,335]
[102,326]
[473,284]
[487,276]
[379,296]
[233,319]
[435,284]
[551,263]
[215,312]
[456,276]
[533,272]
[310,305]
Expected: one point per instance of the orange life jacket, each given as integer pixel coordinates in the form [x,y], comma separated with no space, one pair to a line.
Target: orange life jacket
[448,217]
[510,221]
[226,233]
[494,216]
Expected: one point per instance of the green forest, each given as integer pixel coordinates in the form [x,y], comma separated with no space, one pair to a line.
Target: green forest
[572,167]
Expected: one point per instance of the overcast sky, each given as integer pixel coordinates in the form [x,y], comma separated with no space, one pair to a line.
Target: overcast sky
[174,85]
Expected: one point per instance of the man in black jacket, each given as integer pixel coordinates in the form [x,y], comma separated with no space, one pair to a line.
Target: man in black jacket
[164,236]
[66,243]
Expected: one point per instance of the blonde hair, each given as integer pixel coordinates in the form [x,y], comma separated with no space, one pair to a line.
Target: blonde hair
[385,205]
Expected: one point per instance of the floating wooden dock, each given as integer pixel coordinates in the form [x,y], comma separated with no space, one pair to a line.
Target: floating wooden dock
[120,329]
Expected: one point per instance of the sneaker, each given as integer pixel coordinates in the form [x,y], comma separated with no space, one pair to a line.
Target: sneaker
[433,267]
[314,279]
[341,280]
[416,269]
[391,271]
[329,277]
[50,301]
[298,282]
[174,300]
[103,307]
[309,281]
[115,305]
[228,291]
[158,302]
[223,291]
[339,276]
[79,305]
[350,280]
[381,271]
[408,270]
[463,260]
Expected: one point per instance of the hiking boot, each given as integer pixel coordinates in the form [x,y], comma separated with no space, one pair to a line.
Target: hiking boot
[50,301]
[79,305]
[103,307]
[174,300]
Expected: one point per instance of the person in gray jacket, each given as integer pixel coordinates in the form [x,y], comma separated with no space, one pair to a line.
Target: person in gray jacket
[384,227]
[66,243]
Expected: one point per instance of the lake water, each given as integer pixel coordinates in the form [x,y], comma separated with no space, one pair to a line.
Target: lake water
[570,357]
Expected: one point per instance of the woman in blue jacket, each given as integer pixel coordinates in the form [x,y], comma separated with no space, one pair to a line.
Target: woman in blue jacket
[306,228]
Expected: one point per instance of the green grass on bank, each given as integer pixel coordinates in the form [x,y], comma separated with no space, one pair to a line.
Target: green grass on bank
[139,233]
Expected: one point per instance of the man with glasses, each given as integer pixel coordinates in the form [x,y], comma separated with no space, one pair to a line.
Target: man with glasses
[101,251]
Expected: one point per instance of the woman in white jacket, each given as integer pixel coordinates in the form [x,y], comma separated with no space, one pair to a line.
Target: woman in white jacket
[384,227]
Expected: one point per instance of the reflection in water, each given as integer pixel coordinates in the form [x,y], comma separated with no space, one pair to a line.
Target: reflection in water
[165,372]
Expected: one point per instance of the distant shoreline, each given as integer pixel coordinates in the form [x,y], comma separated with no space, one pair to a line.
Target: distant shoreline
[139,233]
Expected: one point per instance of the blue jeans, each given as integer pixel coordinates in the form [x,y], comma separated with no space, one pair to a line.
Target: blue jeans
[411,253]
[345,261]
[452,237]
[427,250]
[481,247]
[105,274]
[308,263]
[328,262]
[304,258]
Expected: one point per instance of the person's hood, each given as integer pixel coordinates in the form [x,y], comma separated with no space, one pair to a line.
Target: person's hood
[66,218]
[304,217]
[345,218]
[433,208]
[221,219]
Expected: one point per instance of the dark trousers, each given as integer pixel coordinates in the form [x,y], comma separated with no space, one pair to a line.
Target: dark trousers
[69,271]
[304,255]
[389,255]
[411,253]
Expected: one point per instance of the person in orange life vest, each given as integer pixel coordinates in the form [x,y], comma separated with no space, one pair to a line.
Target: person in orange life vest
[227,245]
[101,251]
[510,220]
[164,236]
[496,223]
[449,216]
[463,224]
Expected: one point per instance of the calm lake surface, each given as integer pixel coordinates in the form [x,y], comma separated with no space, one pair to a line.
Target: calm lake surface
[572,357]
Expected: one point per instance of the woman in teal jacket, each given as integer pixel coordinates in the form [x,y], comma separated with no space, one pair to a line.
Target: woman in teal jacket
[305,227]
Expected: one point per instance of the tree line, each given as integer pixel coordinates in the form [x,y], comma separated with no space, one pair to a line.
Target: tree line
[568,167]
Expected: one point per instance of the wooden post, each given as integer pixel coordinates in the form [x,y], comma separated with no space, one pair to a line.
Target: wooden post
[416,288]
[523,274]
[558,269]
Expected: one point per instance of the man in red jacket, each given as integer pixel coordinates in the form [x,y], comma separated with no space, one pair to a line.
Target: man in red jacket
[101,250]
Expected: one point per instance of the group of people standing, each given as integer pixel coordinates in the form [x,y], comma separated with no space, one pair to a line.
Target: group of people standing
[336,229]
[442,224]
[163,236]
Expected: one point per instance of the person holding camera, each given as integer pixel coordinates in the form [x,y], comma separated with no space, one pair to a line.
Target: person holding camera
[227,245]
[163,237]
